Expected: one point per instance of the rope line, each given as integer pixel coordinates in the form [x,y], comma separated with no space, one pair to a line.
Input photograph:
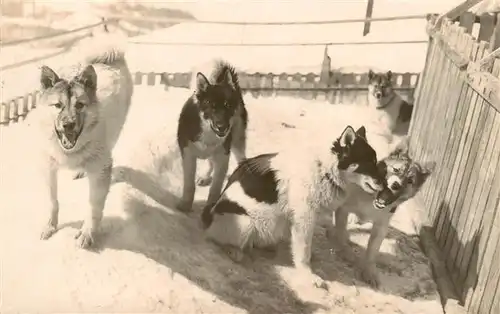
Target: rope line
[26,40]
[280,44]
[341,21]
[179,20]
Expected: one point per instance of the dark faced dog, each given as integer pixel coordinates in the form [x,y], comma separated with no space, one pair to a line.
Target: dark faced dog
[211,124]
[267,196]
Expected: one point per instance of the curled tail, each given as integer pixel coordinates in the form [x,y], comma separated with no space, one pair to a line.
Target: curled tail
[218,71]
[104,48]
[224,72]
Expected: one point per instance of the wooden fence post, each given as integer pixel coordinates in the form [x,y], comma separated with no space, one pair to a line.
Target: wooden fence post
[369,11]
[495,37]
[324,77]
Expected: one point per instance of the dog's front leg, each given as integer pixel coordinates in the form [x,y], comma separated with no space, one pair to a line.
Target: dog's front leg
[340,234]
[189,174]
[239,141]
[302,236]
[206,178]
[220,161]
[379,231]
[50,201]
[99,183]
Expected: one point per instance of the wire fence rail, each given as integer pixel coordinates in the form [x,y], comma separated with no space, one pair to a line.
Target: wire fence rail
[115,18]
[319,22]
[260,44]
[58,34]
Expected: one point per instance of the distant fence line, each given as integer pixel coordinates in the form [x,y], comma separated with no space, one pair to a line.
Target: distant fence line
[336,88]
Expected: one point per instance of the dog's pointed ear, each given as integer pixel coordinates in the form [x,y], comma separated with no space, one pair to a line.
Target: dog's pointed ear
[361,132]
[48,77]
[201,82]
[348,136]
[402,147]
[88,78]
[389,75]
[371,74]
[428,167]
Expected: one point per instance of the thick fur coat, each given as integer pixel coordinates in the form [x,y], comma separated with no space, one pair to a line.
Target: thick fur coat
[79,118]
[391,112]
[212,123]
[271,195]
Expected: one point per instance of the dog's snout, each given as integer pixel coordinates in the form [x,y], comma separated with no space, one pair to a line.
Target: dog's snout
[69,125]
[221,125]
[378,95]
[395,186]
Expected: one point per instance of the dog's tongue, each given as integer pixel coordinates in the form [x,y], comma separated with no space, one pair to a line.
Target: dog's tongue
[68,139]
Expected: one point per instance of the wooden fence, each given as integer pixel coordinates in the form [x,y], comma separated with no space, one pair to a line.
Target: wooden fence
[456,122]
[335,87]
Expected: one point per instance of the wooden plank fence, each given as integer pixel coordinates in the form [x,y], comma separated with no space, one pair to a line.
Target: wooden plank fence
[335,87]
[456,122]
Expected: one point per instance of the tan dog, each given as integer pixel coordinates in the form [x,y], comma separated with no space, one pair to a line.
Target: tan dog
[390,110]
[78,121]
[404,178]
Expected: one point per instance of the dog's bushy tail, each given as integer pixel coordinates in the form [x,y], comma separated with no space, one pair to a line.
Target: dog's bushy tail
[105,49]
[221,69]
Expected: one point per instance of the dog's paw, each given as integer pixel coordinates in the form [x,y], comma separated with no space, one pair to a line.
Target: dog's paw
[48,231]
[369,274]
[308,278]
[184,206]
[204,181]
[84,238]
[79,175]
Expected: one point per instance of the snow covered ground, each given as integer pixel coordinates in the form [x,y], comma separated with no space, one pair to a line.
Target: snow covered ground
[151,258]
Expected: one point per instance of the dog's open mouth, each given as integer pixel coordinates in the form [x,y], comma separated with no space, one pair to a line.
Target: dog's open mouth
[370,187]
[68,139]
[219,131]
[383,199]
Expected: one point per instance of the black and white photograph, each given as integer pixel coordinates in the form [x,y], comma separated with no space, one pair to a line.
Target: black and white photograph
[250,156]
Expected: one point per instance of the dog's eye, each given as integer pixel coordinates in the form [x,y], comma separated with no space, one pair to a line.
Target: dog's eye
[79,105]
[58,105]
[395,170]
